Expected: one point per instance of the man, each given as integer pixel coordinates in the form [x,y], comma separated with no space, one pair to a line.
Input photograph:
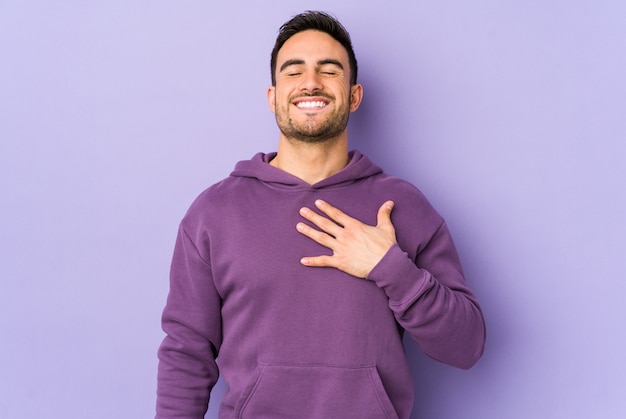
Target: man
[302,270]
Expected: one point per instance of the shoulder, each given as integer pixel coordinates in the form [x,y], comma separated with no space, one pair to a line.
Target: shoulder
[412,213]
[211,202]
[401,190]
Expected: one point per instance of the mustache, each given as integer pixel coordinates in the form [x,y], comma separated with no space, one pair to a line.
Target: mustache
[305,95]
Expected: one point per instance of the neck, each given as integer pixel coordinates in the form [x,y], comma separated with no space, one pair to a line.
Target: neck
[311,162]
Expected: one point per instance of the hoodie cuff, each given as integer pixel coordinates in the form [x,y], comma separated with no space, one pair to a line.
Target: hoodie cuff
[399,277]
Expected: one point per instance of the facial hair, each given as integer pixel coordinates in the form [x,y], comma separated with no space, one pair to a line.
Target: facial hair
[313,131]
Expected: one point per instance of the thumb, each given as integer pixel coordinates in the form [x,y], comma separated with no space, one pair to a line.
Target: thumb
[384,214]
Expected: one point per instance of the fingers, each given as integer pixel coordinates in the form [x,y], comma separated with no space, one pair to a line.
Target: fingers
[320,261]
[333,213]
[338,219]
[356,247]
[319,236]
[384,214]
[330,225]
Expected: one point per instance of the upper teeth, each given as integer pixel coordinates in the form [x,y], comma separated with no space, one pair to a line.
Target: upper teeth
[318,104]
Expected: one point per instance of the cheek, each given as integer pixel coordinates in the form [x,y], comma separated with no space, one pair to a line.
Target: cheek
[280,99]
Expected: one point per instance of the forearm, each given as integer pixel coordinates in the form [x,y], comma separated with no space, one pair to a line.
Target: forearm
[192,323]
[444,319]
[184,381]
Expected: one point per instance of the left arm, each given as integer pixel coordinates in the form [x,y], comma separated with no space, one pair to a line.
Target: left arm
[429,297]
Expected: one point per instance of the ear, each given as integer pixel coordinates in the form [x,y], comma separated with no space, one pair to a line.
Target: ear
[271,98]
[356,95]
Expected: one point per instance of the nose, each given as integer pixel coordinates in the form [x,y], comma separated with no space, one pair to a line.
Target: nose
[310,82]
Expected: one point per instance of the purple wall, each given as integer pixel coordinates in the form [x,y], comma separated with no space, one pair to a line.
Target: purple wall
[510,116]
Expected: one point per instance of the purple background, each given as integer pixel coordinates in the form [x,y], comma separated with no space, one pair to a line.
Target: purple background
[510,116]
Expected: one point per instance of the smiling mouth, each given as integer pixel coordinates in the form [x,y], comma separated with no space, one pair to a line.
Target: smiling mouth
[311,104]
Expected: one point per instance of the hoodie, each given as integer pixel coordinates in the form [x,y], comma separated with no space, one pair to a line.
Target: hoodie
[307,342]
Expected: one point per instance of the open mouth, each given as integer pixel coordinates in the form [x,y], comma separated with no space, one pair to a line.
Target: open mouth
[310,103]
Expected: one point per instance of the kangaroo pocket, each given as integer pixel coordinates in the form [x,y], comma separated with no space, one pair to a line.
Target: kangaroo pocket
[310,392]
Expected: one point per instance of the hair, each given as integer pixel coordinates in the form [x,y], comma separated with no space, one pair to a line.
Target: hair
[319,21]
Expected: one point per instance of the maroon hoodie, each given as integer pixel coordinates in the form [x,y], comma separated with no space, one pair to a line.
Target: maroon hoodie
[306,342]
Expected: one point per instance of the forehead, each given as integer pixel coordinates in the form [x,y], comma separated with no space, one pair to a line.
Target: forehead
[312,45]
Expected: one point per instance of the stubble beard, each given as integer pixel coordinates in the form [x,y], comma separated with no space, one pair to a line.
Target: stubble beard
[313,132]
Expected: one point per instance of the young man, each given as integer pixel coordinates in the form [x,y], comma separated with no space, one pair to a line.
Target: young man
[302,270]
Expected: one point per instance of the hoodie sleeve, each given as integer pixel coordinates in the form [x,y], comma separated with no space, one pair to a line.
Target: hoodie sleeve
[431,301]
[191,320]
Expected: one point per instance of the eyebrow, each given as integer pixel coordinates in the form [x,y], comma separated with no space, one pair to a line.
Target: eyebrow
[330,61]
[290,63]
[297,61]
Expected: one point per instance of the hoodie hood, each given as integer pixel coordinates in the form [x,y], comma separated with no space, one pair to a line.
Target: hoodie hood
[358,167]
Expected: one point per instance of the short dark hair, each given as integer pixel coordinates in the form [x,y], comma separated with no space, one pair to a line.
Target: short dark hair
[319,21]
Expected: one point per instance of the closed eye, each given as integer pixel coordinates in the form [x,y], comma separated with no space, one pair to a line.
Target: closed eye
[330,67]
[290,67]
